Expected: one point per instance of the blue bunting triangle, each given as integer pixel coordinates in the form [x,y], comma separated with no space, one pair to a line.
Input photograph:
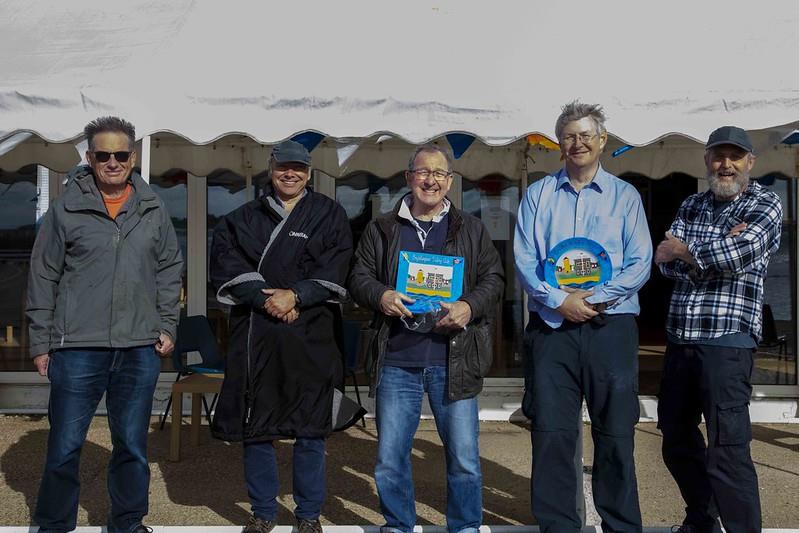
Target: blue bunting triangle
[460,142]
[309,139]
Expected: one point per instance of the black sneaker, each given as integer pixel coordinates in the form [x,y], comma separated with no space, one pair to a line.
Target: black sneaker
[142,529]
[309,526]
[690,528]
[258,525]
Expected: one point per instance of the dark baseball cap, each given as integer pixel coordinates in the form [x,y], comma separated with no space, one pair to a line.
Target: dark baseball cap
[291,152]
[730,135]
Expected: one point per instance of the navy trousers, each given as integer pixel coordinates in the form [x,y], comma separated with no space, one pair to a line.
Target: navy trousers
[713,381]
[597,360]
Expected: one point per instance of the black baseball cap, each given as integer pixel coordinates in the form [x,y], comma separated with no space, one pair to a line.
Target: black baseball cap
[291,152]
[730,135]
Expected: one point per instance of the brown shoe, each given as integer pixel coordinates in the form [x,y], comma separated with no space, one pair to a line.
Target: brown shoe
[309,526]
[258,525]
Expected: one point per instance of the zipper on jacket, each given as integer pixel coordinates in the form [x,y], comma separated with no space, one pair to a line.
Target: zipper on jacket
[248,395]
[117,246]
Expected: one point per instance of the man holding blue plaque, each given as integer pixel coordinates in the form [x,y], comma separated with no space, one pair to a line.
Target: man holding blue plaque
[582,251]
[439,341]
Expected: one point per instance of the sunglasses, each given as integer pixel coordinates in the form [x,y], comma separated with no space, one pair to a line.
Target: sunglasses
[104,157]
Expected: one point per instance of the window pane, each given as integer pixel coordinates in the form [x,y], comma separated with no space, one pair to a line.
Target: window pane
[226,191]
[775,361]
[18,198]
[495,200]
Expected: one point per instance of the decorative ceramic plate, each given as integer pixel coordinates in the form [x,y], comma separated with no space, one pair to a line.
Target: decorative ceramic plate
[577,262]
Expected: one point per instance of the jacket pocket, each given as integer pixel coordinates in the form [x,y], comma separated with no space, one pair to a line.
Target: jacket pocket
[485,350]
[371,357]
[477,352]
[734,426]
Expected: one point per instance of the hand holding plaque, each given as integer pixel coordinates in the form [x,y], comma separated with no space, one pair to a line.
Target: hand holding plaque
[429,279]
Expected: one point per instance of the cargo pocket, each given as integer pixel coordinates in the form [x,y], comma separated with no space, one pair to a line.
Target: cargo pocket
[734,426]
[527,400]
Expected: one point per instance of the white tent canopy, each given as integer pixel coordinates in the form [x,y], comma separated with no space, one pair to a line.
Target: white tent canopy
[238,75]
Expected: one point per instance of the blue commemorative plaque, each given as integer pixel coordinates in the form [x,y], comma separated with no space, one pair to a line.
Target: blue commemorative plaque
[577,262]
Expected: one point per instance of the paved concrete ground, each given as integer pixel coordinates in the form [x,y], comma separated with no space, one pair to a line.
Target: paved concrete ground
[207,486]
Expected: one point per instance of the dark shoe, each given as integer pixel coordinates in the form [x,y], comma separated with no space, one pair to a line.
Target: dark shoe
[690,528]
[258,525]
[309,526]
[142,529]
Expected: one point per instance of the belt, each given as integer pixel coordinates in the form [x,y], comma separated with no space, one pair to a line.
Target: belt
[603,306]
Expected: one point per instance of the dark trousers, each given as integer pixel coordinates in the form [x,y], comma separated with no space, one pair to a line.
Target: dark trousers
[78,380]
[260,471]
[712,381]
[597,359]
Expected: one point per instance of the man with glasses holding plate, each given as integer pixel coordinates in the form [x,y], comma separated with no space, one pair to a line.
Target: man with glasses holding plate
[582,252]
[103,306]
[444,350]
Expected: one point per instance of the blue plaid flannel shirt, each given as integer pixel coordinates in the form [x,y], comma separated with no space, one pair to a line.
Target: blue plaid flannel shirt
[724,293]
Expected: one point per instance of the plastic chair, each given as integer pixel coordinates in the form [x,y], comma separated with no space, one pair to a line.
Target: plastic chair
[351,341]
[194,333]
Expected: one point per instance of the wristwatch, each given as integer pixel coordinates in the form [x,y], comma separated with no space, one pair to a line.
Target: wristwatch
[297,300]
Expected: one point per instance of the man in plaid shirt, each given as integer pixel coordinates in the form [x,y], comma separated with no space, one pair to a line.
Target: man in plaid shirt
[717,251]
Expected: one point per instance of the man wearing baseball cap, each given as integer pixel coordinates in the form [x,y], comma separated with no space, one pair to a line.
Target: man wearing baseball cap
[281,261]
[717,251]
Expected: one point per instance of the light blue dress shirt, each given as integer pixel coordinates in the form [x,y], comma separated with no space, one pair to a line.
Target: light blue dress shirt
[608,211]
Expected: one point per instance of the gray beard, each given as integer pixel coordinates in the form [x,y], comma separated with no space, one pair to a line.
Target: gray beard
[728,189]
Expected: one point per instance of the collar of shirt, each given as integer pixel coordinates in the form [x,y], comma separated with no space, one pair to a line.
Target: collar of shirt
[405,213]
[279,206]
[599,183]
[405,210]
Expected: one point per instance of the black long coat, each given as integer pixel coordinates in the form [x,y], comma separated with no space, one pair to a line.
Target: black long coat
[279,377]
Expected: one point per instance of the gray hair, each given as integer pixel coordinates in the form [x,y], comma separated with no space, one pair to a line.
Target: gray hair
[432,148]
[576,110]
[110,124]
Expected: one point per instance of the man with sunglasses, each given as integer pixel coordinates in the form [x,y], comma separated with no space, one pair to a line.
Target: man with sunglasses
[103,306]
[582,342]
[717,252]
[446,357]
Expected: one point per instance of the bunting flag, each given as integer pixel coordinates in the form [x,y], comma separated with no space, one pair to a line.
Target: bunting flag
[344,152]
[791,138]
[617,152]
[309,139]
[536,139]
[82,147]
[9,144]
[460,142]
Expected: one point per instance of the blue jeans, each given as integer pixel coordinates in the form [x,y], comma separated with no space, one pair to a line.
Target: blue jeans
[260,471]
[78,379]
[399,406]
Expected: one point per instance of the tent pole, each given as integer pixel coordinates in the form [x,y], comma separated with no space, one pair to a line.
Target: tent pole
[145,158]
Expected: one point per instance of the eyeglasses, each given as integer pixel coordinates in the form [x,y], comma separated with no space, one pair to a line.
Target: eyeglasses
[424,173]
[584,137]
[104,157]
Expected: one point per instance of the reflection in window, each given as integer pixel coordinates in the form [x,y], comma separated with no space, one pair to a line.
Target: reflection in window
[365,196]
[495,200]
[18,199]
[172,189]
[775,362]
[226,191]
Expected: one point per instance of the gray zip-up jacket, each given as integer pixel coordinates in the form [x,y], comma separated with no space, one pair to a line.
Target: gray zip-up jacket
[96,282]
